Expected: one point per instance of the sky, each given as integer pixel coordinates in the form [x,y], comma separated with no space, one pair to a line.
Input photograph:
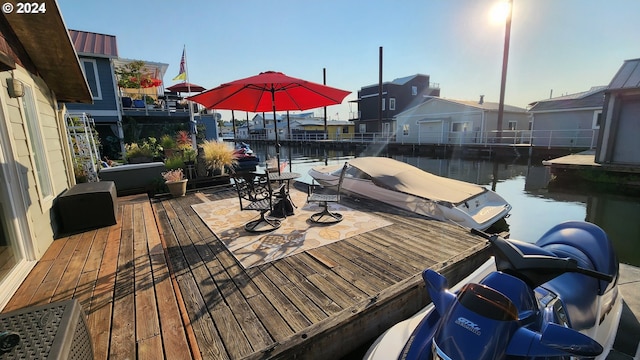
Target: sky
[557,47]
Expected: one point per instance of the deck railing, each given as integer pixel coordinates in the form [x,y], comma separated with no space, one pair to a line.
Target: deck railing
[578,138]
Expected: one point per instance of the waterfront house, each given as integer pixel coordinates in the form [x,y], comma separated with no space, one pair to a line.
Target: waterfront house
[458,122]
[261,125]
[397,96]
[97,53]
[35,159]
[313,128]
[569,121]
[618,142]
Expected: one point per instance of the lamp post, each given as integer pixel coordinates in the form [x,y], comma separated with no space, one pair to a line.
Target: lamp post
[505,60]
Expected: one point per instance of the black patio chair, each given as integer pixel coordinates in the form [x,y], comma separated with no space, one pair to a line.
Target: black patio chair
[323,199]
[255,193]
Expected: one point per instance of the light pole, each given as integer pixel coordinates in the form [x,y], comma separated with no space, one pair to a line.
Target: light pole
[505,60]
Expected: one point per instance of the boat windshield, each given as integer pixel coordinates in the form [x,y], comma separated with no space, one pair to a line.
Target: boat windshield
[487,302]
[352,172]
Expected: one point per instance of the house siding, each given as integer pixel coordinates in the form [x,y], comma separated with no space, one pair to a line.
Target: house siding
[566,129]
[108,99]
[401,92]
[432,122]
[39,212]
[618,141]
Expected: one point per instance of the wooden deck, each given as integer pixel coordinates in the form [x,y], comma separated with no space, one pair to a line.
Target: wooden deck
[159,284]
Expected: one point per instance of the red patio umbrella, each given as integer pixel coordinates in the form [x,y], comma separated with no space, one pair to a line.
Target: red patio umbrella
[273,91]
[185,87]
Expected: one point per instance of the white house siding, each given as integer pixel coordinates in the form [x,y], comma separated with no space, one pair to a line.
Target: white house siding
[574,128]
[441,121]
[626,147]
[39,217]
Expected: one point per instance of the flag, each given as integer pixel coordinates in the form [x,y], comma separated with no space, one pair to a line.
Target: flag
[183,73]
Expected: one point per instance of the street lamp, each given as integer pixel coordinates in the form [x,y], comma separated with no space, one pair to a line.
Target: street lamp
[505,60]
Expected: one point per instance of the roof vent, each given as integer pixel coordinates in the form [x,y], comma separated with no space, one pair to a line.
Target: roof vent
[481,101]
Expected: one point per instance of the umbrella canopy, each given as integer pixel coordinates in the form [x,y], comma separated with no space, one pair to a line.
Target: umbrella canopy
[185,87]
[267,91]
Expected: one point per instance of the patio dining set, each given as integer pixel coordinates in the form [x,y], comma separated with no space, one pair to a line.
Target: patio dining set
[269,194]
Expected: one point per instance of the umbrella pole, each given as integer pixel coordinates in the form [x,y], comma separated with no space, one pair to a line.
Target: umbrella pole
[275,126]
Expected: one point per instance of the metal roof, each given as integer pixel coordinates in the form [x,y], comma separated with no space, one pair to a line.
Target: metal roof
[486,105]
[397,81]
[628,77]
[94,44]
[592,98]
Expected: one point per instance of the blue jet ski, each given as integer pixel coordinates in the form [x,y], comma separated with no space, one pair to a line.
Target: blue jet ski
[555,299]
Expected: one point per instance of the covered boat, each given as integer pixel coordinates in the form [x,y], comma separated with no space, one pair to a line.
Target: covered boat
[407,187]
[246,159]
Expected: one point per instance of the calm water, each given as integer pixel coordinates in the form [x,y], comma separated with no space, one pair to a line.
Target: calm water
[536,206]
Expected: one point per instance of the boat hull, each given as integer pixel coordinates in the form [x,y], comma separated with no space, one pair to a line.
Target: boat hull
[478,211]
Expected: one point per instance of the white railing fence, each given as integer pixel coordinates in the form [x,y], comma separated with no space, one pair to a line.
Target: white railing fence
[580,138]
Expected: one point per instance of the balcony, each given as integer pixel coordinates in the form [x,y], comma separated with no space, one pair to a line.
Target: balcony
[136,105]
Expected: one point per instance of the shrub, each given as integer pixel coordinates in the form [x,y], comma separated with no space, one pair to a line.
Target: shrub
[183,139]
[167,142]
[217,155]
[174,162]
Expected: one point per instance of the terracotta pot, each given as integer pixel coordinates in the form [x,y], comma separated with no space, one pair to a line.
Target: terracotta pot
[177,188]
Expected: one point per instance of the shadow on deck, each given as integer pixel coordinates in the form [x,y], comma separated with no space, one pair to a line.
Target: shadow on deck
[160,284]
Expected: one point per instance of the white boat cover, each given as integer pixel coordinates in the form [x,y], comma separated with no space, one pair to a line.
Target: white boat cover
[408,179]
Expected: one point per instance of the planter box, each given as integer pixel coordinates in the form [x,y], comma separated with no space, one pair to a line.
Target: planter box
[134,178]
[207,181]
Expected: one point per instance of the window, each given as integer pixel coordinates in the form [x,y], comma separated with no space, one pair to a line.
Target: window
[459,126]
[512,125]
[405,129]
[91,73]
[386,129]
[384,104]
[345,129]
[362,128]
[392,103]
[36,142]
[414,90]
[597,119]
[530,125]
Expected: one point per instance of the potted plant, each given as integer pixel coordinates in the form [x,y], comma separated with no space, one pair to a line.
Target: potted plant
[183,139]
[168,145]
[217,156]
[136,154]
[80,171]
[175,181]
[174,162]
[145,151]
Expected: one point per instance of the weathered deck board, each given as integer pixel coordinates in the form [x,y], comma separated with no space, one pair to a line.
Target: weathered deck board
[299,297]
[160,284]
[120,276]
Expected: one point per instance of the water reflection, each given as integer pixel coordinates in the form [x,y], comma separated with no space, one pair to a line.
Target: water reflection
[536,206]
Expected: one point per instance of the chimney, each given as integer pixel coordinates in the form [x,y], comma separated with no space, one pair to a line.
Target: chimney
[481,101]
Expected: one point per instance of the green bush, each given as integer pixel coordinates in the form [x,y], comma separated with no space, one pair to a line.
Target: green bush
[174,162]
[167,142]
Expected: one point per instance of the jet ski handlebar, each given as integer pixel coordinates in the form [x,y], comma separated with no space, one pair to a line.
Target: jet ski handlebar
[537,268]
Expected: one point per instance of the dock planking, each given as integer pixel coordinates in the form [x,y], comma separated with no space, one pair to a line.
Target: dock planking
[300,305]
[160,284]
